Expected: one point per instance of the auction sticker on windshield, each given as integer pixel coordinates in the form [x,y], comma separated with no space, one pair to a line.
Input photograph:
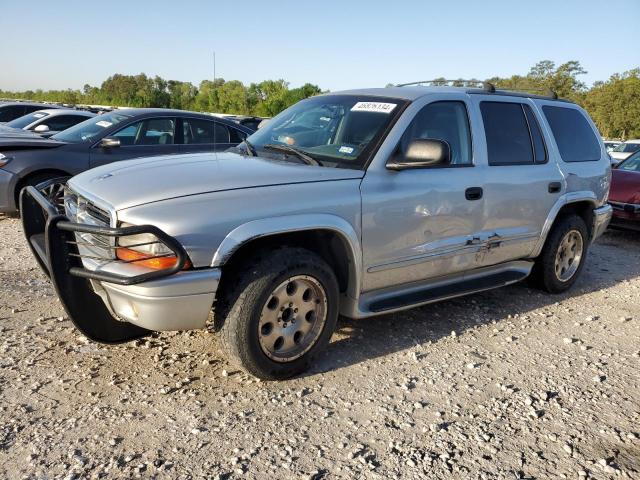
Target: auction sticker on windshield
[347,150]
[373,107]
[104,123]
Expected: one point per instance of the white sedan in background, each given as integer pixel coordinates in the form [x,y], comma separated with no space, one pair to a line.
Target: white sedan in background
[624,150]
[611,144]
[45,122]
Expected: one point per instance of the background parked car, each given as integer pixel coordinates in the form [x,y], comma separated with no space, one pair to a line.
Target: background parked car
[611,144]
[46,122]
[106,138]
[624,150]
[249,122]
[624,195]
[12,110]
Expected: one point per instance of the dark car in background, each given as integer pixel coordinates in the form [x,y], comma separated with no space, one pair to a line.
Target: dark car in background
[624,194]
[47,122]
[118,135]
[12,110]
[250,122]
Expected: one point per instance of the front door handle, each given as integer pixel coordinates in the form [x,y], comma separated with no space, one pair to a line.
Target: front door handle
[473,193]
[555,187]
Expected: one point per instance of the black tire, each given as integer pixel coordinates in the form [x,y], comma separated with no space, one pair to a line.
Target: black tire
[247,294]
[544,275]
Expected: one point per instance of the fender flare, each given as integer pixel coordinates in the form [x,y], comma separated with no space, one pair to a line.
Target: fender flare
[296,223]
[566,199]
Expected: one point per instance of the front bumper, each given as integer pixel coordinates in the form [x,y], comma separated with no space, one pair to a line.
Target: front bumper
[601,219]
[180,302]
[626,215]
[105,304]
[8,183]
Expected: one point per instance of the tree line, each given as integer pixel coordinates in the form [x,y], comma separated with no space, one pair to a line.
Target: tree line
[613,104]
[265,99]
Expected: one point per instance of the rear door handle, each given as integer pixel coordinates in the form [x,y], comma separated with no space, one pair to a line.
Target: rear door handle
[555,187]
[473,193]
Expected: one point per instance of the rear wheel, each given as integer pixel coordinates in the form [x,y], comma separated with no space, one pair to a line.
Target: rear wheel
[563,256]
[280,313]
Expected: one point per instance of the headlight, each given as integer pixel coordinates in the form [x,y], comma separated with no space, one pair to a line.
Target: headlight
[145,249]
[4,159]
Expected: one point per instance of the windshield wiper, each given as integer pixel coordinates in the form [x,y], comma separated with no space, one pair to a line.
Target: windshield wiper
[309,160]
[251,150]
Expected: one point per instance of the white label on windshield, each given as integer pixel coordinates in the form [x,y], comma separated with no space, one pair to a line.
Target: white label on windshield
[104,123]
[39,115]
[373,107]
[347,150]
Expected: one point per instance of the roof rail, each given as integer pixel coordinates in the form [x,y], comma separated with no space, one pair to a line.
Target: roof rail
[487,87]
[441,82]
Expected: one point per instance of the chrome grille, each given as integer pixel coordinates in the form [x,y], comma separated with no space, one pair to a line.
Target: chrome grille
[80,210]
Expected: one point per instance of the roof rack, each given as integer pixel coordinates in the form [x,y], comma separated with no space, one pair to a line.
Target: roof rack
[441,82]
[487,87]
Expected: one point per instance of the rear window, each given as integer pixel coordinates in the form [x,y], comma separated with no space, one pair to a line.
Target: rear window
[574,136]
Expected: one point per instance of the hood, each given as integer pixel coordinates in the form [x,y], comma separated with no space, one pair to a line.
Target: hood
[25,140]
[130,183]
[625,186]
[5,130]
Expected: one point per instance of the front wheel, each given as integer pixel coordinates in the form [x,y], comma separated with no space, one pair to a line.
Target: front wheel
[280,314]
[563,256]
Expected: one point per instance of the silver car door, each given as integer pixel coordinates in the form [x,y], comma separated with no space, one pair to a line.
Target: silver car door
[522,180]
[422,223]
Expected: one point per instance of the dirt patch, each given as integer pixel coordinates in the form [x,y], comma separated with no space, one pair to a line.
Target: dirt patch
[511,383]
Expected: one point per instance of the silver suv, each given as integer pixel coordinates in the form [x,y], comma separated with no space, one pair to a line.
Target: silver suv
[356,203]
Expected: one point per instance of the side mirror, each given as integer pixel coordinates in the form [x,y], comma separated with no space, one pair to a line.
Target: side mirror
[422,153]
[41,128]
[109,142]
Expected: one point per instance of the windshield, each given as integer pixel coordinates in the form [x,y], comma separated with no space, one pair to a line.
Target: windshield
[631,164]
[90,128]
[336,130]
[26,120]
[627,147]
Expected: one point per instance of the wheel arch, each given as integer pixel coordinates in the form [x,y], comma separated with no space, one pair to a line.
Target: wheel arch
[578,203]
[330,236]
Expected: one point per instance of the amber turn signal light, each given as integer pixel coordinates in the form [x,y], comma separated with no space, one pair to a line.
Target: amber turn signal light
[146,260]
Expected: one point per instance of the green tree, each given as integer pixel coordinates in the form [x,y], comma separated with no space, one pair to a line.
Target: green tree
[614,105]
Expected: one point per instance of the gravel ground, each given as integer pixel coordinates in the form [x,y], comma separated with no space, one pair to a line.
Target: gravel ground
[510,383]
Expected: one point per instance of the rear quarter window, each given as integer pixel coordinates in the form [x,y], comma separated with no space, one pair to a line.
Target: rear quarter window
[573,134]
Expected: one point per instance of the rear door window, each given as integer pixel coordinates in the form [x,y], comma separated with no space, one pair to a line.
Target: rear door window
[574,136]
[197,131]
[507,131]
[539,148]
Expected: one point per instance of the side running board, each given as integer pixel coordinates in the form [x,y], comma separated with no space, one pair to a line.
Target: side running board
[431,294]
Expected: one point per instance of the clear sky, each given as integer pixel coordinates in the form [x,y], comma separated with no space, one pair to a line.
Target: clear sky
[335,44]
